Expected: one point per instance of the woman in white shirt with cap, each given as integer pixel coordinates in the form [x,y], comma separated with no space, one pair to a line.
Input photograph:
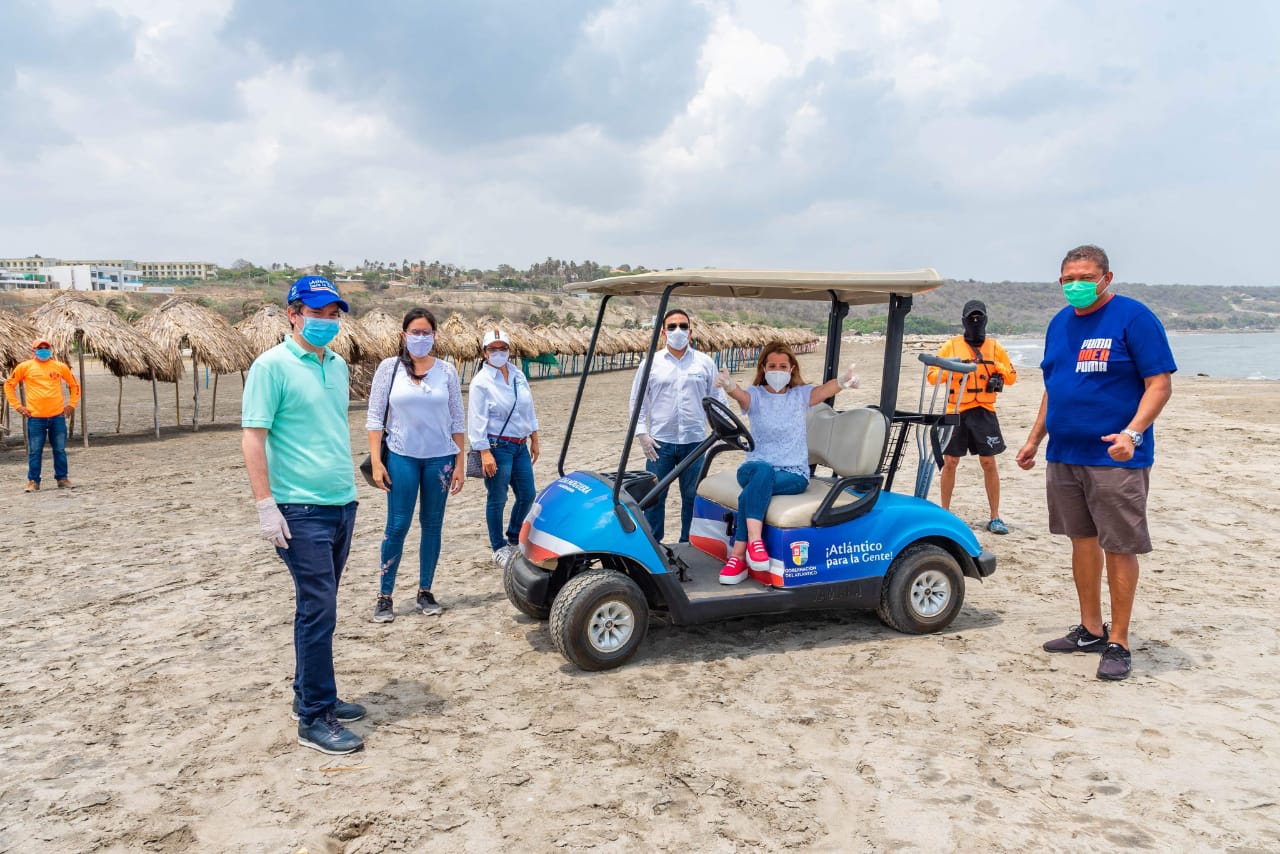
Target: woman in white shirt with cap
[417,400]
[502,426]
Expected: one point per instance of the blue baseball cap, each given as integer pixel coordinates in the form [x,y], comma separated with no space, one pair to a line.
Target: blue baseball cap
[316,292]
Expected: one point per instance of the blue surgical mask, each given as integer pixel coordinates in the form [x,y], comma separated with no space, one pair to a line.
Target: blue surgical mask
[419,346]
[319,331]
[498,358]
[44,354]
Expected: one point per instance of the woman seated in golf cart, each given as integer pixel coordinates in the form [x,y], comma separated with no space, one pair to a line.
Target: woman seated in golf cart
[778,401]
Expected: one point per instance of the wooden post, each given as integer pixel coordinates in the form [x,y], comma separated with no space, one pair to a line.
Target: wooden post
[177,408]
[119,399]
[155,405]
[195,399]
[84,420]
[213,407]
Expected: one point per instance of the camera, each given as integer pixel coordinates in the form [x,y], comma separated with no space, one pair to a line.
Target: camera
[995,383]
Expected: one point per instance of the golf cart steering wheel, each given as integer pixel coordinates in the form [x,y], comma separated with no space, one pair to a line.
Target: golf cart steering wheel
[726,426]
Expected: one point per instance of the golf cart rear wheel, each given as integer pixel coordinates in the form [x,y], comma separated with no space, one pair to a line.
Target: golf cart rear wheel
[599,619]
[923,590]
[517,598]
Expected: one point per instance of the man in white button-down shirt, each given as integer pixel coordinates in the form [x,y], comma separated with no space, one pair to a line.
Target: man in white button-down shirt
[672,421]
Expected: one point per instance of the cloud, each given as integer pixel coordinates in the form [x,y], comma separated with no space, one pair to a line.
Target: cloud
[981,138]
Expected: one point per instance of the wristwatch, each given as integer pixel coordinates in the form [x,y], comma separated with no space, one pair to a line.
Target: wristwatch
[1134,435]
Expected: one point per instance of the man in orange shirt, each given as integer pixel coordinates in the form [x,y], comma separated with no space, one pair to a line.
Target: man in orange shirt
[46,411]
[979,430]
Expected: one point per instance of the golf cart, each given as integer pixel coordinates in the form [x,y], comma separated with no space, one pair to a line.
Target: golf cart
[588,560]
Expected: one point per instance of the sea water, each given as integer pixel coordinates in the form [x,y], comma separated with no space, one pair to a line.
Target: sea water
[1237,355]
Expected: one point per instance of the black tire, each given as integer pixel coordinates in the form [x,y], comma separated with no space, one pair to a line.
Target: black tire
[922,591]
[523,605]
[599,619]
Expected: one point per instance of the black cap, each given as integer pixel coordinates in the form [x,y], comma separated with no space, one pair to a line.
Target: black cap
[974,306]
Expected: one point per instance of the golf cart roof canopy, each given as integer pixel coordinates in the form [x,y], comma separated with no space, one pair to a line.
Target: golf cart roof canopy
[851,287]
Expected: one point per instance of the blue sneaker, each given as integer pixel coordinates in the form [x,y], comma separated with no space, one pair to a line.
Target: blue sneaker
[345,712]
[996,526]
[326,735]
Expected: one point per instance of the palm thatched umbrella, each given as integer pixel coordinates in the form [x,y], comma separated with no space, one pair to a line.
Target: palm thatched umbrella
[265,328]
[352,342]
[457,340]
[178,322]
[383,334]
[76,323]
[16,335]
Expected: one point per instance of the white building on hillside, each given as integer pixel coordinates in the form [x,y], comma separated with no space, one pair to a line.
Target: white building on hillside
[94,277]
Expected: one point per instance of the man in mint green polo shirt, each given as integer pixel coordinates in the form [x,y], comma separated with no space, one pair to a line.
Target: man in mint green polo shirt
[297,451]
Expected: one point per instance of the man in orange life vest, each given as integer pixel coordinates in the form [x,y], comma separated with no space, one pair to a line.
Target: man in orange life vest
[979,430]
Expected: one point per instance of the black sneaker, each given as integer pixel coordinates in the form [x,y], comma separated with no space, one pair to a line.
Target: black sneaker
[427,605]
[382,610]
[327,735]
[1116,663]
[345,712]
[1079,639]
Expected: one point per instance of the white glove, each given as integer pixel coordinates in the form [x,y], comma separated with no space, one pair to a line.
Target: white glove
[725,381]
[849,379]
[275,529]
[649,447]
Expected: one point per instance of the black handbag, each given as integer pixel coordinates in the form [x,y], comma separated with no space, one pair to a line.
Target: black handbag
[366,467]
[475,468]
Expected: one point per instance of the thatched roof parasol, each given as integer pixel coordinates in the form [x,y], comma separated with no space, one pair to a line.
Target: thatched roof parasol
[214,342]
[70,319]
[457,340]
[383,334]
[525,341]
[265,328]
[353,343]
[16,336]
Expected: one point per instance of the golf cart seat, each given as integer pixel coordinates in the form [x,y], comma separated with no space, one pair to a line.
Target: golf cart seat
[851,444]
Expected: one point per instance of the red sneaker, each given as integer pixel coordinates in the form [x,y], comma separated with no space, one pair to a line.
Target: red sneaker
[757,557]
[734,571]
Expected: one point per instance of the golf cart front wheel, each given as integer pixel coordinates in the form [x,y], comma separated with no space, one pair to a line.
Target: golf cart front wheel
[599,619]
[923,590]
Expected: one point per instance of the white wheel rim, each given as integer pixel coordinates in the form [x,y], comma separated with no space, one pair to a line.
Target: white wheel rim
[611,626]
[930,593]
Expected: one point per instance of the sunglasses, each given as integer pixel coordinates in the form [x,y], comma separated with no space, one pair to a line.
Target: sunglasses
[672,327]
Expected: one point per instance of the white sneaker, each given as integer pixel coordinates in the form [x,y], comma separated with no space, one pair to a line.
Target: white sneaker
[501,556]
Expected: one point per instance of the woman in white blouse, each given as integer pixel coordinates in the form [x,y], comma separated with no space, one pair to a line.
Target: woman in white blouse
[417,400]
[502,426]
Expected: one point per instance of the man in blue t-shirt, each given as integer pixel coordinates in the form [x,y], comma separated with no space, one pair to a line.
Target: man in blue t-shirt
[1107,375]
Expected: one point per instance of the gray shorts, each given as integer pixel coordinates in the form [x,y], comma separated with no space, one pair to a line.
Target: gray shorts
[1106,502]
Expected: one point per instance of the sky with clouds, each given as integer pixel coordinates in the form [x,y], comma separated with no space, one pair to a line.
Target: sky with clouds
[979,137]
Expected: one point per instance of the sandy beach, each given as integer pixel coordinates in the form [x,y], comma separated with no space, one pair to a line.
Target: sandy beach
[147,636]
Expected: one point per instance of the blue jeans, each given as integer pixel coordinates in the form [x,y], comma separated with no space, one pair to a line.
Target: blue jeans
[55,429]
[760,482]
[316,555]
[669,453]
[409,477]
[515,471]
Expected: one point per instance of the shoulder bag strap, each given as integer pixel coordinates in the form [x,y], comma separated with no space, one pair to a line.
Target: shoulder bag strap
[515,394]
[386,413]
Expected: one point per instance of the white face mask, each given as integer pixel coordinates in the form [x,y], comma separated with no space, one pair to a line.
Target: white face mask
[498,358]
[678,339]
[419,346]
[777,380]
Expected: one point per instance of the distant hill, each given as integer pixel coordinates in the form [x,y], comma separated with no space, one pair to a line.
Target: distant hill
[1013,307]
